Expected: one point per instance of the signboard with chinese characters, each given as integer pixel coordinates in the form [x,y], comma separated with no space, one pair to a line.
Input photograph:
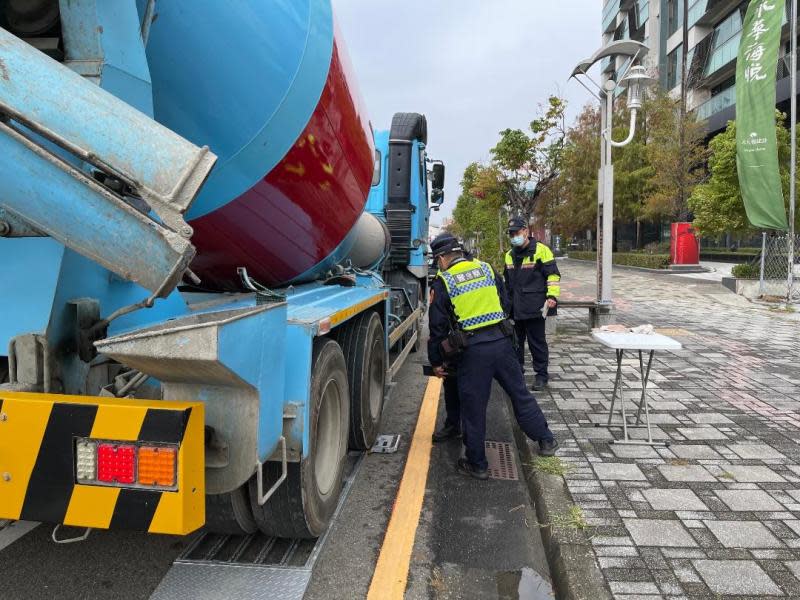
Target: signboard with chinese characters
[756,140]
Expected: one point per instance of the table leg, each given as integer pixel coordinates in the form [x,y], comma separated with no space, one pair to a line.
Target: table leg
[645,379]
[617,381]
[643,400]
[622,403]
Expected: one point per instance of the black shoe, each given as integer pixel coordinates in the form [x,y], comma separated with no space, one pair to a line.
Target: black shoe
[539,383]
[448,432]
[465,467]
[548,447]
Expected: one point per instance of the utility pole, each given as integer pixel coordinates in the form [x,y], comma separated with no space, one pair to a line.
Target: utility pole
[793,159]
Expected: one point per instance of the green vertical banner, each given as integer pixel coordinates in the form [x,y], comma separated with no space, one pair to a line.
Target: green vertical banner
[756,140]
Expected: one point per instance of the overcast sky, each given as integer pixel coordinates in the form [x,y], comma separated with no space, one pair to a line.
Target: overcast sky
[473,67]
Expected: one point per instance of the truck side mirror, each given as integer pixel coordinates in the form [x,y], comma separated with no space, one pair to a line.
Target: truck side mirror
[437,183]
[438,176]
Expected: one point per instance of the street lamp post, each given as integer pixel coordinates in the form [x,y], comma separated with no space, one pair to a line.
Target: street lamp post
[634,80]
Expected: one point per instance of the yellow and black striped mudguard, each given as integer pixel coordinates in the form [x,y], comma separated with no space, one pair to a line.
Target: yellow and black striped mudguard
[38,434]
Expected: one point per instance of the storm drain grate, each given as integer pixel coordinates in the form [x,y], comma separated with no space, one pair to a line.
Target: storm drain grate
[501,461]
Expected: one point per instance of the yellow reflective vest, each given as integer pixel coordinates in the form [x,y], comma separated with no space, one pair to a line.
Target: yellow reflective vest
[471,287]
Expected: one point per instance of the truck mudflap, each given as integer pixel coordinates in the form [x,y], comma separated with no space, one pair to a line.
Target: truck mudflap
[103,463]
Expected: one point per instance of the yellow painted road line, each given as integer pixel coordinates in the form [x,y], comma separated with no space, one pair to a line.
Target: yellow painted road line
[391,572]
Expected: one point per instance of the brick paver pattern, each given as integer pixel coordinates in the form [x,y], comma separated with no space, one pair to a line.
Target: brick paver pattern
[717,513]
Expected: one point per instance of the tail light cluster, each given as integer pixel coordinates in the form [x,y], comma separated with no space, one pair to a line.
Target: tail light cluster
[126,464]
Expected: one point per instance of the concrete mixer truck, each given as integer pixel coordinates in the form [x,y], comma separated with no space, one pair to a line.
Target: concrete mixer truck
[211,265]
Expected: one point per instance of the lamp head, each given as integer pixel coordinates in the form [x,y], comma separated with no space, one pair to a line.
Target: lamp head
[636,82]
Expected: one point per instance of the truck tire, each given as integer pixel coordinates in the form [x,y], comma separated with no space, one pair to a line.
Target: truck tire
[302,505]
[362,342]
[230,513]
[409,126]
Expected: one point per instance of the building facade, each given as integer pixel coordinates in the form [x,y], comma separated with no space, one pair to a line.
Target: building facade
[714,32]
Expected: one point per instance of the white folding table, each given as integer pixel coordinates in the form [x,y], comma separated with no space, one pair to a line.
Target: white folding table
[638,342]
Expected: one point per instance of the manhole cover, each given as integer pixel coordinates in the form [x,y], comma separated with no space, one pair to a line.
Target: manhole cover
[501,461]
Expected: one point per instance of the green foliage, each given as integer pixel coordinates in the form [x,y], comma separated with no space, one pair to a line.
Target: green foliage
[675,149]
[523,165]
[631,259]
[480,218]
[717,204]
[552,465]
[746,271]
[724,256]
[571,207]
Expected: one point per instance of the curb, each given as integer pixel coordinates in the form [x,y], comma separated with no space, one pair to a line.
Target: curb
[645,269]
[570,556]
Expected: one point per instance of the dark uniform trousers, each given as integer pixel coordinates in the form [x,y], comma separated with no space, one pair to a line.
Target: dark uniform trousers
[532,330]
[480,364]
[452,404]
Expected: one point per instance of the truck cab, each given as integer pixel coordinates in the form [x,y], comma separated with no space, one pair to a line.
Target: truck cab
[403,193]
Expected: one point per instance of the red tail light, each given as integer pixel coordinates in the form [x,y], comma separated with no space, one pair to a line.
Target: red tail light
[116,463]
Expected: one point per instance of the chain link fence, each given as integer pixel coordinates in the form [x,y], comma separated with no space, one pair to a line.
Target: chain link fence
[773,266]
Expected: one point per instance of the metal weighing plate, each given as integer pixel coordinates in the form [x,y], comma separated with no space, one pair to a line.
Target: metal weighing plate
[501,461]
[386,444]
[252,567]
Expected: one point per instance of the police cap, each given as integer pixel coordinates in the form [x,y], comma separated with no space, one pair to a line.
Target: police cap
[445,243]
[515,224]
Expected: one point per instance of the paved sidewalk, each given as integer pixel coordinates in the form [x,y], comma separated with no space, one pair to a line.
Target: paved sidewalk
[717,514]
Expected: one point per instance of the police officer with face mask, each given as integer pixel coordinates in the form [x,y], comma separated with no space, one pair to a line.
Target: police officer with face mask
[467,320]
[533,281]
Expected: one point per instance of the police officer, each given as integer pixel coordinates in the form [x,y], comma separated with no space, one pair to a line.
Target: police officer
[467,298]
[532,280]
[452,403]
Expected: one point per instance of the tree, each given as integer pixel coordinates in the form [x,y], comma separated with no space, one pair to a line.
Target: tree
[524,165]
[675,146]
[574,207]
[479,214]
[717,204]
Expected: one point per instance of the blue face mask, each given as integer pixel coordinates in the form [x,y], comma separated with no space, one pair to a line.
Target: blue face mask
[517,240]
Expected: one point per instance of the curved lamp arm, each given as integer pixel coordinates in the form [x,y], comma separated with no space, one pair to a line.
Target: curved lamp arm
[631,132]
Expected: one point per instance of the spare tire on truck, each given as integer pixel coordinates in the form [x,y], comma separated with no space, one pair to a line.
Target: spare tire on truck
[303,505]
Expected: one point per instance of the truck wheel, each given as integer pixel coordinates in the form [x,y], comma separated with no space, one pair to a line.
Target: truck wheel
[302,505]
[230,513]
[362,343]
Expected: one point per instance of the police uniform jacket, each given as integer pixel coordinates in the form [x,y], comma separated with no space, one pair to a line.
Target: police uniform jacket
[441,316]
[531,276]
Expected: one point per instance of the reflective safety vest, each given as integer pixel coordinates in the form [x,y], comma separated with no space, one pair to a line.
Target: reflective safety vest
[471,287]
[543,255]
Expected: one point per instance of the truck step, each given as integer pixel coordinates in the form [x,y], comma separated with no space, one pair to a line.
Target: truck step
[248,566]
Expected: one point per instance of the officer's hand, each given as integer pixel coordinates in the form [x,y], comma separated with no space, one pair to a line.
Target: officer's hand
[439,372]
[551,303]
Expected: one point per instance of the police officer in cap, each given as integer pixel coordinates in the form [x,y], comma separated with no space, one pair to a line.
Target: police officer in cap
[466,305]
[532,280]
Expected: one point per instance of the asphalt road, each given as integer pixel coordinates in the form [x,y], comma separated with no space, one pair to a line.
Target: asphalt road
[475,539]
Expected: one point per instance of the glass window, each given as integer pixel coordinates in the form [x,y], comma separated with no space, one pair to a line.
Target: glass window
[610,11]
[674,15]
[697,10]
[674,67]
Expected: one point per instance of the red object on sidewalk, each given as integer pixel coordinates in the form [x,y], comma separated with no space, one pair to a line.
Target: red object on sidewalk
[683,246]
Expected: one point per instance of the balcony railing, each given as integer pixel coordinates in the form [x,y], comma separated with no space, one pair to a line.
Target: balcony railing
[717,103]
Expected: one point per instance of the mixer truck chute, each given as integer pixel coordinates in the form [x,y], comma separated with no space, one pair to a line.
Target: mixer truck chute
[232,401]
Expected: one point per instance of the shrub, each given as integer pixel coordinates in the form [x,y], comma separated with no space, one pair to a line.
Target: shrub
[746,271]
[726,256]
[631,259]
